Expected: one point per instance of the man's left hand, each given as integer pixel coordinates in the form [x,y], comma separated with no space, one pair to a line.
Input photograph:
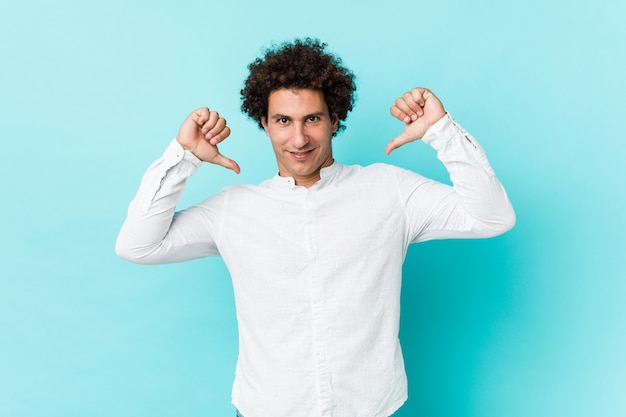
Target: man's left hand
[419,109]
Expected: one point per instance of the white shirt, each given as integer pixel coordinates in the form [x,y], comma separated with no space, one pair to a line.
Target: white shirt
[317,271]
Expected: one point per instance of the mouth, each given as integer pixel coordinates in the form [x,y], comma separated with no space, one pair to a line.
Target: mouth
[300,156]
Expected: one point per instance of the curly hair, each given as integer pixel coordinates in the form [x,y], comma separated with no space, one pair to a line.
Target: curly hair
[301,64]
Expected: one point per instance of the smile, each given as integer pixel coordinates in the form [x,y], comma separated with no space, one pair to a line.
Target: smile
[301,155]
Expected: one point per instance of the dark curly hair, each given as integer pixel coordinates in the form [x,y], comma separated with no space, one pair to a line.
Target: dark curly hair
[303,63]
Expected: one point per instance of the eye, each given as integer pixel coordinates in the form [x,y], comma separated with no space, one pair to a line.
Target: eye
[313,119]
[282,120]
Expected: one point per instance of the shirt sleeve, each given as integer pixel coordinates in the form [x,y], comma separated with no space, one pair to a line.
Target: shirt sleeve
[153,232]
[476,205]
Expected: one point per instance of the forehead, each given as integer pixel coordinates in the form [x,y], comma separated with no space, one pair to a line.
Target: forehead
[296,101]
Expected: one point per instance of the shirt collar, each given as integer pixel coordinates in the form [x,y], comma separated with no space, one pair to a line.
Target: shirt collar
[327,175]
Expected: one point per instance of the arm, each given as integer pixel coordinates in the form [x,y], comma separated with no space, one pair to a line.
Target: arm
[476,205]
[152,232]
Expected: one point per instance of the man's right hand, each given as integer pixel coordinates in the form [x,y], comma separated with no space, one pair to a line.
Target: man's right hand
[201,132]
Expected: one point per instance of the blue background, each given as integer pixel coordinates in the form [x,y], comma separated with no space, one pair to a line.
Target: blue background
[532,323]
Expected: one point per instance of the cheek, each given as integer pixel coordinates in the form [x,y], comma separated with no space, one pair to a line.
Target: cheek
[276,142]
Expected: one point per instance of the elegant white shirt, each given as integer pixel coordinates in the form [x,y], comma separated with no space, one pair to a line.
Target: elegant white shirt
[317,271]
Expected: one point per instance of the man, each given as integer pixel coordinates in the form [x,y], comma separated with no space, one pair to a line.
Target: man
[315,253]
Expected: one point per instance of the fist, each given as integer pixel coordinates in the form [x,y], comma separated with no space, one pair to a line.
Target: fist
[419,109]
[200,133]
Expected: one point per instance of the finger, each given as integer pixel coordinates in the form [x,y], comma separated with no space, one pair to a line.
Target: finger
[400,114]
[225,162]
[408,107]
[200,116]
[403,110]
[222,134]
[406,116]
[418,95]
[210,122]
[415,103]
[215,135]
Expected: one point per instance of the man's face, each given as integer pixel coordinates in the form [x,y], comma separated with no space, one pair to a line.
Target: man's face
[300,128]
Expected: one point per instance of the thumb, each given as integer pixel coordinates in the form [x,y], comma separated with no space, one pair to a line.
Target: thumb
[225,162]
[396,143]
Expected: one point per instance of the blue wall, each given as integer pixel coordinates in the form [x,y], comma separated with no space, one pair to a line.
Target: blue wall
[532,323]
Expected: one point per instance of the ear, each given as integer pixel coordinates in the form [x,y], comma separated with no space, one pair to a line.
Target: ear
[335,120]
[264,124]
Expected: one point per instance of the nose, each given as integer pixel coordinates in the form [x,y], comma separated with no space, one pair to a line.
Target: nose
[300,137]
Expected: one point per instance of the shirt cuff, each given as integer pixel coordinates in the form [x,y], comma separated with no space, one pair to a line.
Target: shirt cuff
[175,154]
[439,133]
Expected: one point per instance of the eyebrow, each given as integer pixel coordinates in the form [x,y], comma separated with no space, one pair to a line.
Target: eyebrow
[280,116]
